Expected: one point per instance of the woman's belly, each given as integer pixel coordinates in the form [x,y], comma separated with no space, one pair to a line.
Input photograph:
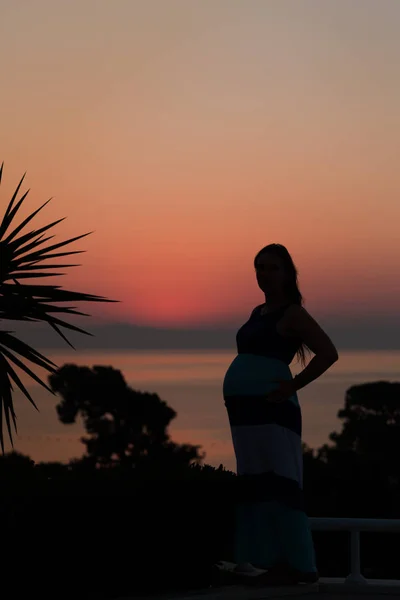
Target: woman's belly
[253,374]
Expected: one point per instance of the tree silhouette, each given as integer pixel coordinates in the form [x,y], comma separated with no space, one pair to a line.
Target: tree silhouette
[23,257]
[125,427]
[15,462]
[370,436]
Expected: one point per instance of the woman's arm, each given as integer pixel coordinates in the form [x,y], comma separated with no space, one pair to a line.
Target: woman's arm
[311,333]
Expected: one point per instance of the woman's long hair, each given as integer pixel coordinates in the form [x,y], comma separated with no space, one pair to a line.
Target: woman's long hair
[292,287]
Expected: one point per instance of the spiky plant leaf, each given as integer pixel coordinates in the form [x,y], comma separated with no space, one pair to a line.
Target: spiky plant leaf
[22,257]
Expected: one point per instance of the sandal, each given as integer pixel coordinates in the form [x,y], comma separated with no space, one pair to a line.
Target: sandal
[229,573]
[284,575]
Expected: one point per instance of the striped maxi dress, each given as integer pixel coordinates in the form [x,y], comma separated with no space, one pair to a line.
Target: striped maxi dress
[271,524]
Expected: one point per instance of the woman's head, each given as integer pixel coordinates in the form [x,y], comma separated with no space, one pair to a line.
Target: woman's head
[277,273]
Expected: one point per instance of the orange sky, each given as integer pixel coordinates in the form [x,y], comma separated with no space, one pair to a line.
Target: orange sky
[190,134]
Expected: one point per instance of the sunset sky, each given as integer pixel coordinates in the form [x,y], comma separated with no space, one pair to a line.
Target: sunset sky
[188,134]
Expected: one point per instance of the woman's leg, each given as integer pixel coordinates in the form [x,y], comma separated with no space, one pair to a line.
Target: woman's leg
[297,546]
[256,536]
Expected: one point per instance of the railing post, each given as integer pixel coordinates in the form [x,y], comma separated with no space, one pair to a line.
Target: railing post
[355,576]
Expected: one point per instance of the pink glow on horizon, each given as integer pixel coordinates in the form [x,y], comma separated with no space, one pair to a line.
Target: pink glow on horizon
[187,151]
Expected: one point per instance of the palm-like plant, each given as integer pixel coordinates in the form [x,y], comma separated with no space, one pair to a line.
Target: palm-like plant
[21,257]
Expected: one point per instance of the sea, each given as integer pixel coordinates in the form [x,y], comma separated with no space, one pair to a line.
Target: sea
[191,383]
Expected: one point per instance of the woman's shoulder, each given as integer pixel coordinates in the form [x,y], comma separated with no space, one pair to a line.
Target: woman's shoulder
[293,312]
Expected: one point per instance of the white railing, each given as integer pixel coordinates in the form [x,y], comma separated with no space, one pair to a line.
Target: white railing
[354,526]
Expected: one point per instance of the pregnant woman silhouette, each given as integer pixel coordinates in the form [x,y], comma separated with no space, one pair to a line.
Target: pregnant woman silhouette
[273,542]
